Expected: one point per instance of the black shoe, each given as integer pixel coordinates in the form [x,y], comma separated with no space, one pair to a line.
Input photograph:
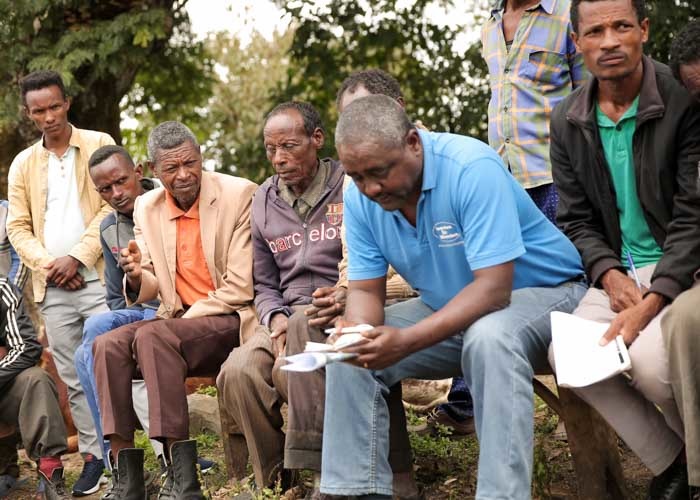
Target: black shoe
[127,477]
[671,484]
[182,479]
[53,488]
[694,492]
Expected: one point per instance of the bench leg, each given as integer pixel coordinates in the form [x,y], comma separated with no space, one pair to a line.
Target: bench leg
[235,448]
[594,451]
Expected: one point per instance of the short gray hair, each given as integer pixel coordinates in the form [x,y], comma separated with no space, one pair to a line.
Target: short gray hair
[377,119]
[168,135]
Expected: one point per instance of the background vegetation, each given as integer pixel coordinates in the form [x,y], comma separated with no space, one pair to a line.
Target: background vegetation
[130,64]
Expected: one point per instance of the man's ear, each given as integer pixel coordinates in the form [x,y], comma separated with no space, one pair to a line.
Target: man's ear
[68,103]
[138,170]
[318,138]
[152,167]
[413,140]
[574,38]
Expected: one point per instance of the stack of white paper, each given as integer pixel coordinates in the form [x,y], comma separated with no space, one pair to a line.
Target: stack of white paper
[579,358]
[317,354]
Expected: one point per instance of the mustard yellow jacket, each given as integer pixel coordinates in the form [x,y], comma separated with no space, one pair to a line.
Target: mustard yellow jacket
[27,191]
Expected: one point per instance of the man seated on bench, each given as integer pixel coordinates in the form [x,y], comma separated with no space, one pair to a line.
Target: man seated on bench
[296,220]
[28,397]
[119,183]
[442,210]
[193,248]
[625,150]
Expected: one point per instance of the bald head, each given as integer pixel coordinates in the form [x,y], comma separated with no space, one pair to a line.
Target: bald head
[375,119]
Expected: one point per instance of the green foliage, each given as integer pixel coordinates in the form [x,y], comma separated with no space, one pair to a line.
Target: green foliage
[150,460]
[207,390]
[444,87]
[100,49]
[243,94]
[666,18]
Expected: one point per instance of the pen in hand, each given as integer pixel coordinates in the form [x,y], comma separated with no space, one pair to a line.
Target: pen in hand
[633,269]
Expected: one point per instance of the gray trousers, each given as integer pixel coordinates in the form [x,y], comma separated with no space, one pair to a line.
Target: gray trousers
[681,331]
[64,313]
[31,403]
[640,405]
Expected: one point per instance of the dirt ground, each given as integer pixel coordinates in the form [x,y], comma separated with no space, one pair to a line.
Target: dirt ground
[445,467]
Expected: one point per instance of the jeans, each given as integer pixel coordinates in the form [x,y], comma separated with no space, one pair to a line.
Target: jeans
[498,355]
[94,327]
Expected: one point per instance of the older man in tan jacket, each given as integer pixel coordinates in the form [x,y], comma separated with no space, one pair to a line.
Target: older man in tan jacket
[193,248]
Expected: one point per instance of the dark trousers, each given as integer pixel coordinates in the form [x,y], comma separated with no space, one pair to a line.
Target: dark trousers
[31,403]
[163,353]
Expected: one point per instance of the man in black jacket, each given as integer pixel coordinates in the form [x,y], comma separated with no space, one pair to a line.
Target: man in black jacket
[28,397]
[625,149]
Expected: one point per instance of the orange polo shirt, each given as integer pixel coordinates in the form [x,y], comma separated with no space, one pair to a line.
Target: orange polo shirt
[192,278]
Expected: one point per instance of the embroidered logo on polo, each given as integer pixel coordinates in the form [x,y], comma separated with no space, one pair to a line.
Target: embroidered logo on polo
[334,215]
[447,233]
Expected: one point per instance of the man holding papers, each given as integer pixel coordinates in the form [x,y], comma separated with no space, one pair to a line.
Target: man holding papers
[445,213]
[625,149]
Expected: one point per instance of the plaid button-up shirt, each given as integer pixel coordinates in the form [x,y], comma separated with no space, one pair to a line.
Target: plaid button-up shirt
[527,81]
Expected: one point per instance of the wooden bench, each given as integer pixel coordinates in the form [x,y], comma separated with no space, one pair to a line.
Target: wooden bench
[592,442]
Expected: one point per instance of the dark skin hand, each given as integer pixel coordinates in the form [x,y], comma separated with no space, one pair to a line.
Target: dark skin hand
[278,333]
[621,289]
[327,306]
[130,262]
[61,272]
[385,345]
[634,319]
[76,283]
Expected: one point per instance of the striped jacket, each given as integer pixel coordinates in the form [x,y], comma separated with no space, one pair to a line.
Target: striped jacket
[17,336]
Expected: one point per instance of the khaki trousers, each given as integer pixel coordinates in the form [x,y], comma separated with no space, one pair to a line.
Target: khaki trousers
[31,403]
[164,352]
[639,405]
[681,330]
[253,389]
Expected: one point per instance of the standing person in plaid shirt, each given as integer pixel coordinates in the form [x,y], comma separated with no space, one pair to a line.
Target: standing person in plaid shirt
[533,65]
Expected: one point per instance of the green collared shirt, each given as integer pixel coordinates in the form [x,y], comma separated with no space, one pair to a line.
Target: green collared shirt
[303,204]
[617,145]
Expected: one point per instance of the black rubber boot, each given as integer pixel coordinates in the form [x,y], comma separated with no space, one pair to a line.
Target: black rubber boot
[53,488]
[181,480]
[127,477]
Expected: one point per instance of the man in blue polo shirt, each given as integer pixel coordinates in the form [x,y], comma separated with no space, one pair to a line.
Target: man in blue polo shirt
[446,214]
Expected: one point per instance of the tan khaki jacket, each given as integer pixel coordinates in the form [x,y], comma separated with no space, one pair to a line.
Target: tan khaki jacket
[27,190]
[224,217]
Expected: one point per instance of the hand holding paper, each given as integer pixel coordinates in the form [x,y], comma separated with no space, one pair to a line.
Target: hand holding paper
[579,358]
[317,355]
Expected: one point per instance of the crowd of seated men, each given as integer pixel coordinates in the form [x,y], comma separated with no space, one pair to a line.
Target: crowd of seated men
[447,246]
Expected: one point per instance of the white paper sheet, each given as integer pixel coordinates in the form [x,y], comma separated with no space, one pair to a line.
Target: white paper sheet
[580,360]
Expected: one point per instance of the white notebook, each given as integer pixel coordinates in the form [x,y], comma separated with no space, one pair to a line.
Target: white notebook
[580,361]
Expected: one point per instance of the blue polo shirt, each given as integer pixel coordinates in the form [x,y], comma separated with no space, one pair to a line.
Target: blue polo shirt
[472,214]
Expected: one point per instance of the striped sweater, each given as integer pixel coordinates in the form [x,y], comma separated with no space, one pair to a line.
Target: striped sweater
[17,336]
